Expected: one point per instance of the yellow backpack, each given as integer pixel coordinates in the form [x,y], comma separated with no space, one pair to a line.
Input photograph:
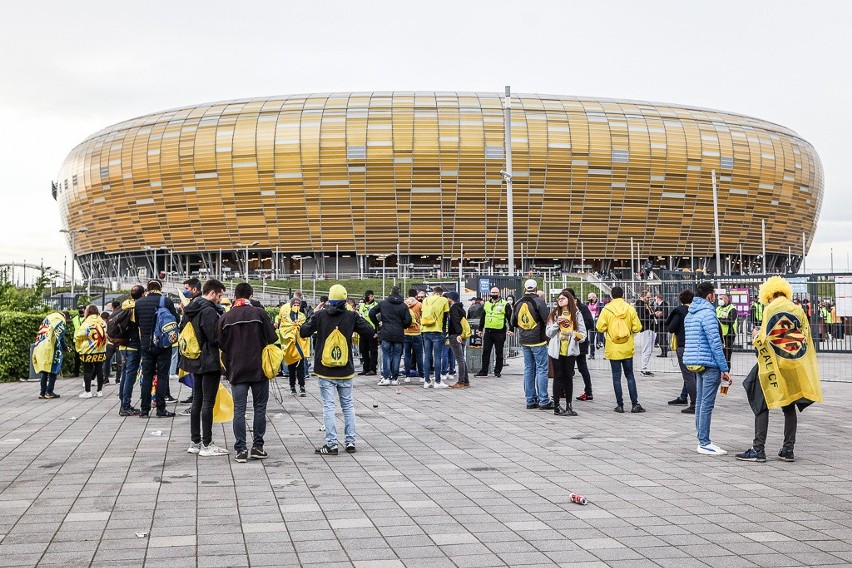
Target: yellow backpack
[427,313]
[271,359]
[617,329]
[335,352]
[465,328]
[526,320]
[188,342]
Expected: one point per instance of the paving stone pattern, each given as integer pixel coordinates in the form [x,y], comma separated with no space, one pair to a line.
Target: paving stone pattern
[441,478]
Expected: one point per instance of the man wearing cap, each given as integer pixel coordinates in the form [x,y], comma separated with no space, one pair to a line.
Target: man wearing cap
[495,320]
[335,379]
[530,313]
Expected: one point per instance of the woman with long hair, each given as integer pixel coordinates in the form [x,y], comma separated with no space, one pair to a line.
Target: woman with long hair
[90,339]
[566,329]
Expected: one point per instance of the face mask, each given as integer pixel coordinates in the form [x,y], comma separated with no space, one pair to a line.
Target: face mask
[495,296]
[187,294]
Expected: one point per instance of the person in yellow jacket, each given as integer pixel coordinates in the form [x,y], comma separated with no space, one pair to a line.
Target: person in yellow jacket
[619,322]
[296,349]
[787,374]
[48,352]
[90,340]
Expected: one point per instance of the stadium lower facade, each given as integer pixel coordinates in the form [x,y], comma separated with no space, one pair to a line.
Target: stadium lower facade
[363,182]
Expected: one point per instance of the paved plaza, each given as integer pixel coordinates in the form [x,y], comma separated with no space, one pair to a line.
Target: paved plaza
[442,478]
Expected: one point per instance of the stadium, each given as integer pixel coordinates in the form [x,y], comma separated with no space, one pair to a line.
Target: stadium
[359,182]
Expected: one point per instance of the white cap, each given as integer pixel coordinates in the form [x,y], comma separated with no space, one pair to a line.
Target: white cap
[530,285]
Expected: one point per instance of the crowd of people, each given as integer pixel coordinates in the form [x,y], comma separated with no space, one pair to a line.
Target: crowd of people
[423,336]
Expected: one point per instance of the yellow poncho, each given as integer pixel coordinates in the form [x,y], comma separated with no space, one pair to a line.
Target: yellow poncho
[786,358]
[47,350]
[295,347]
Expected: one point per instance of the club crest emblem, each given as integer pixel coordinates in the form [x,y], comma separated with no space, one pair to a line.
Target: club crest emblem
[784,333]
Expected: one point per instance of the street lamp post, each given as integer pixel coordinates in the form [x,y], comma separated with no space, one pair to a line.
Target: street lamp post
[72,233]
[247,245]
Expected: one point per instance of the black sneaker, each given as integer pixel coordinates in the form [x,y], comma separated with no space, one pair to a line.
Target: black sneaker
[481,374]
[786,455]
[143,414]
[241,457]
[548,406]
[42,396]
[128,412]
[646,373]
[187,400]
[302,392]
[350,448]
[165,414]
[637,409]
[293,392]
[257,453]
[170,398]
[327,450]
[689,410]
[362,373]
[752,455]
[52,395]
[619,409]
[678,402]
[531,406]
[371,374]
[497,375]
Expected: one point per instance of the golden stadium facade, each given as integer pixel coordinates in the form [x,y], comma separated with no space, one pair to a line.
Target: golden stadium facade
[366,175]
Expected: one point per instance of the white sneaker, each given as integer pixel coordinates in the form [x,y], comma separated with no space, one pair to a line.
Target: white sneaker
[407,379]
[86,395]
[711,450]
[212,450]
[99,394]
[194,448]
[444,377]
[427,384]
[394,382]
[450,377]
[383,383]
[442,385]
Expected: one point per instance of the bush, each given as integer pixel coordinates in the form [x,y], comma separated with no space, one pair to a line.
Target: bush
[17,333]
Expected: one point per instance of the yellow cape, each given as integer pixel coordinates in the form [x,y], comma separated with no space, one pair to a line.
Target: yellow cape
[786,358]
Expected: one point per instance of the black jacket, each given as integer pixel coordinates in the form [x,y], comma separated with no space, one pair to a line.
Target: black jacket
[322,323]
[456,315]
[146,316]
[645,311]
[395,318]
[589,321]
[205,318]
[475,314]
[660,326]
[674,324]
[243,332]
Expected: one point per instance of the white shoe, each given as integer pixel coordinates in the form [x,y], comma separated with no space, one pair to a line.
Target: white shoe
[427,384]
[173,377]
[711,450]
[194,448]
[212,450]
[99,394]
[394,382]
[445,377]
[383,383]
[442,385]
[407,379]
[86,395]
[450,377]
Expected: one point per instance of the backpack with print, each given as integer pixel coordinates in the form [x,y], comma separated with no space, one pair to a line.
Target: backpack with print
[526,319]
[165,327]
[188,342]
[617,329]
[335,352]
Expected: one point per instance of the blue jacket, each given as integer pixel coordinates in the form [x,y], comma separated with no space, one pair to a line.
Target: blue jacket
[703,339]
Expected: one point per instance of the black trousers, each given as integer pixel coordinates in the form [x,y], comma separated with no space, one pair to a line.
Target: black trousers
[563,379]
[47,382]
[583,367]
[728,348]
[663,341]
[297,370]
[92,371]
[761,427]
[496,339]
[155,362]
[204,390]
[369,353]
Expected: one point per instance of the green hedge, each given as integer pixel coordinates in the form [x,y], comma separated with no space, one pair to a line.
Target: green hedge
[17,333]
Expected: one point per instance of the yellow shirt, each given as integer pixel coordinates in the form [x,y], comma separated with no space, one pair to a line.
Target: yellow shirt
[439,307]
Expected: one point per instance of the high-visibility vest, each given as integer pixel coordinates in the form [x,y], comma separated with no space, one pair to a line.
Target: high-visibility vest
[758,311]
[826,315]
[725,311]
[495,314]
[364,310]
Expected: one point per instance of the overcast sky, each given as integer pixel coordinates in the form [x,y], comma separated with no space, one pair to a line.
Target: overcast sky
[68,69]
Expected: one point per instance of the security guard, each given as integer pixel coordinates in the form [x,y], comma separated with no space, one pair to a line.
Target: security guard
[727,315]
[495,323]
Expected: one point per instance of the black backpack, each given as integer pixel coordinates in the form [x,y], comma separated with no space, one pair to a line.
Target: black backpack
[118,327]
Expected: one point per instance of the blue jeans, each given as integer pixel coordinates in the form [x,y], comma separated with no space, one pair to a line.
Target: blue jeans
[449,367]
[413,355]
[392,353]
[535,374]
[173,366]
[344,392]
[706,386]
[433,354]
[128,375]
[259,397]
[616,366]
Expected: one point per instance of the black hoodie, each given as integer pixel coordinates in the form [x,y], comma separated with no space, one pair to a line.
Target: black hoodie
[204,317]
[323,322]
[395,318]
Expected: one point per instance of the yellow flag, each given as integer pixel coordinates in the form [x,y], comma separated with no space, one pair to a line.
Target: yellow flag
[786,358]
